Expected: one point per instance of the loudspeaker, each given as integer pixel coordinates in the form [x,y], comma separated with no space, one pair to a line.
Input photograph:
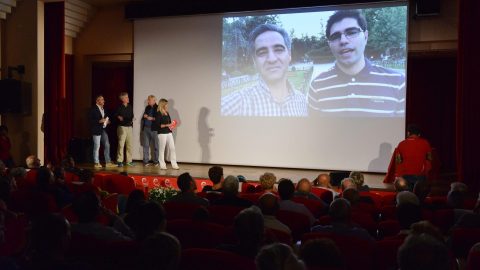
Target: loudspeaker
[337,177]
[427,7]
[16,97]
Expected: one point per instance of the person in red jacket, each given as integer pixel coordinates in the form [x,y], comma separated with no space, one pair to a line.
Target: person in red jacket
[413,157]
[5,147]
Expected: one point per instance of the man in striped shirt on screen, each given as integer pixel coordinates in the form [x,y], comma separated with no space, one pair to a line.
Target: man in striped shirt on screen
[354,86]
[273,94]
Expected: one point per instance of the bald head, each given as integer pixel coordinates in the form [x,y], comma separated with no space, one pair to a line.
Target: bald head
[323,180]
[400,184]
[304,185]
[268,203]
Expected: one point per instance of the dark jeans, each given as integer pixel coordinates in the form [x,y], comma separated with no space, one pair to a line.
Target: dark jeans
[413,179]
[150,136]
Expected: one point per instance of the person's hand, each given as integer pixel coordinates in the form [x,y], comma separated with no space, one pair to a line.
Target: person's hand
[120,118]
[145,116]
[102,121]
[150,118]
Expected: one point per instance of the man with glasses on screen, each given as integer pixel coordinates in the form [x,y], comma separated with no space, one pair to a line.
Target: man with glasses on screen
[354,86]
[273,95]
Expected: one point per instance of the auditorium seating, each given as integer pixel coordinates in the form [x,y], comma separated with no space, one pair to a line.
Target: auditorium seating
[324,194]
[176,210]
[196,234]
[116,183]
[358,253]
[15,236]
[463,239]
[111,202]
[223,214]
[316,207]
[386,254]
[213,259]
[298,223]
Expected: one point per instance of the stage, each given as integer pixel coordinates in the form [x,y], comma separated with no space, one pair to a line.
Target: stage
[373,180]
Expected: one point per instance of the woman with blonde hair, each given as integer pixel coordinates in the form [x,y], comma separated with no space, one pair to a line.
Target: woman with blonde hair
[165,126]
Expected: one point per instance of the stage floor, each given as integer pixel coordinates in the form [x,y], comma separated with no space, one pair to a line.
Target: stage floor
[373,180]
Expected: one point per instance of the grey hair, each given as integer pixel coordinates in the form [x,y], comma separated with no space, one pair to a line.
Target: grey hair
[230,185]
[262,28]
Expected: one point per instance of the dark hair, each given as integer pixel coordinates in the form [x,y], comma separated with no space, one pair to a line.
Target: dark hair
[423,252]
[135,198]
[43,177]
[342,14]
[215,174]
[146,219]
[340,210]
[321,253]
[48,233]
[286,188]
[407,214]
[184,181]
[160,251]
[86,206]
[98,96]
[59,172]
[262,28]
[413,129]
[249,227]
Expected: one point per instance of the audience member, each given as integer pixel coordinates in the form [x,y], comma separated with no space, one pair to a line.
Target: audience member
[278,257]
[340,213]
[32,162]
[68,163]
[249,230]
[87,208]
[286,189]
[49,240]
[146,220]
[423,252]
[425,227]
[321,254]
[400,184]
[358,179]
[215,174]
[459,186]
[323,181]
[160,251]
[135,199]
[421,189]
[407,197]
[230,194]
[268,204]
[304,188]
[267,182]
[347,183]
[187,195]
[407,214]
[352,196]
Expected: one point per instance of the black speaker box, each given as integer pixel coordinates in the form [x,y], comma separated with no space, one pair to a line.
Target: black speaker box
[427,7]
[16,97]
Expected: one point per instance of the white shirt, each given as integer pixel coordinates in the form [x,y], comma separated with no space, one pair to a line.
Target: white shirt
[102,111]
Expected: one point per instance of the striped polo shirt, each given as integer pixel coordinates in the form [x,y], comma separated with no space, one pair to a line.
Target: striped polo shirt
[374,91]
[258,101]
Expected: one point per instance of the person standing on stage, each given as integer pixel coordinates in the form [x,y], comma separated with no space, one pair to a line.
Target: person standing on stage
[413,157]
[124,115]
[99,120]
[165,137]
[149,132]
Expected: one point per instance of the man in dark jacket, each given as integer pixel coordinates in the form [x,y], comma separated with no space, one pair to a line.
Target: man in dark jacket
[124,116]
[150,132]
[98,118]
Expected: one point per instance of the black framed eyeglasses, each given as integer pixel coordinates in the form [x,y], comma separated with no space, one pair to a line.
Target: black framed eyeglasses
[350,33]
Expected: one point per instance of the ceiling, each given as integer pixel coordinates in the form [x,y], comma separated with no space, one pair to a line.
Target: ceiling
[105,3]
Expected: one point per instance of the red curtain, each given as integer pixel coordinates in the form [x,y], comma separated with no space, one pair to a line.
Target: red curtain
[468,95]
[57,118]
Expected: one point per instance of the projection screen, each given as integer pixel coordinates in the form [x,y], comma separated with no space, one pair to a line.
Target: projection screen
[314,88]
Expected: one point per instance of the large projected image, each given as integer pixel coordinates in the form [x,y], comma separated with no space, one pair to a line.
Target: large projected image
[315,88]
[345,62]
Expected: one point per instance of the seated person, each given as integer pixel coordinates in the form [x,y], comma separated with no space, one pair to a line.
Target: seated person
[347,183]
[249,230]
[87,207]
[321,254]
[215,174]
[187,195]
[304,188]
[407,214]
[278,256]
[268,204]
[359,179]
[323,181]
[230,194]
[400,184]
[286,188]
[340,213]
[69,164]
[167,259]
[146,220]
[423,252]
[267,182]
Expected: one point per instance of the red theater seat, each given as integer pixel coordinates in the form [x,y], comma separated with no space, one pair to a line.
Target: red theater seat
[386,254]
[223,214]
[213,259]
[463,239]
[71,177]
[111,202]
[196,234]
[298,223]
[316,207]
[324,194]
[443,219]
[253,197]
[117,183]
[15,236]
[32,202]
[176,210]
[358,253]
